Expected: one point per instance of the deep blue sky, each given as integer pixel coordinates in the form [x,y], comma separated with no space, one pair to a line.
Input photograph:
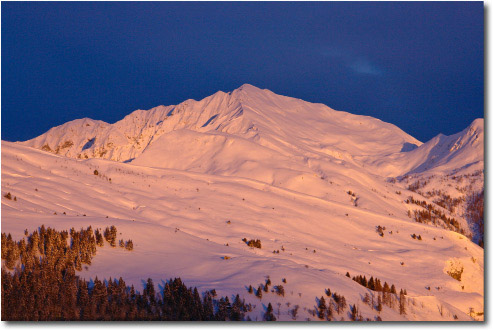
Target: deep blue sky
[416,65]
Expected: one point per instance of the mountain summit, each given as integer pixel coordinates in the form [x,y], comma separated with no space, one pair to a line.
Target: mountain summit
[257,134]
[325,193]
[286,124]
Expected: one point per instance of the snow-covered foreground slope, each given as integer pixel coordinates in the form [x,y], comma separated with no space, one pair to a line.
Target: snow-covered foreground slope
[178,217]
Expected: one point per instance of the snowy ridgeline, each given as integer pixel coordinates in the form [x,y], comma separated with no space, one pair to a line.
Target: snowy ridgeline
[243,186]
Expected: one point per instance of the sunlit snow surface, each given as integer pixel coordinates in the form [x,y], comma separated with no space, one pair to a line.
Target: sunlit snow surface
[279,170]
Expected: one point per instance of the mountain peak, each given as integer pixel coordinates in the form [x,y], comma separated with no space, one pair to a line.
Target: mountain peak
[250,90]
[248,87]
[477,124]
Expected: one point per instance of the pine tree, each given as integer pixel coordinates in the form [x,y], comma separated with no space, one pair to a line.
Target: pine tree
[259,292]
[386,292]
[343,303]
[354,313]
[269,315]
[402,302]
[379,303]
[322,308]
[237,309]
[364,282]
[378,285]
[330,310]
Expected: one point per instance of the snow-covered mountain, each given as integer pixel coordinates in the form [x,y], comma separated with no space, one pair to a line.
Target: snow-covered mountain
[303,178]
[286,125]
[441,155]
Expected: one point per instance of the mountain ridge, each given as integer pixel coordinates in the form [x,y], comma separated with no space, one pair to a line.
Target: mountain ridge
[326,193]
[135,129]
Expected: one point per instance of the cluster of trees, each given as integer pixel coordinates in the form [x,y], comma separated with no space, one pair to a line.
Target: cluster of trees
[44,286]
[456,273]
[416,185]
[278,289]
[335,302]
[418,237]
[54,247]
[253,243]
[475,213]
[110,235]
[387,295]
[448,202]
[355,314]
[40,295]
[9,196]
[434,215]
[380,230]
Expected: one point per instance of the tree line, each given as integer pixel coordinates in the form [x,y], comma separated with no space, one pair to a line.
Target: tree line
[432,214]
[43,286]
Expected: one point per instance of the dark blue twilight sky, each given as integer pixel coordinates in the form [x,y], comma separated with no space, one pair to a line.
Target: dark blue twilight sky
[416,65]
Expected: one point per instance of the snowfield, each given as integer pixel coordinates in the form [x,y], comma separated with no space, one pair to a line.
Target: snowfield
[187,183]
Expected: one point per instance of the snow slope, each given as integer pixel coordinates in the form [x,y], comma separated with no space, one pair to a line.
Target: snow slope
[441,155]
[296,175]
[178,222]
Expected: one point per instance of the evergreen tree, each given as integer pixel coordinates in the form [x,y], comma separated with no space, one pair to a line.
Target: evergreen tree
[259,292]
[237,310]
[343,304]
[269,315]
[330,310]
[402,303]
[322,308]
[386,293]
[354,313]
[379,303]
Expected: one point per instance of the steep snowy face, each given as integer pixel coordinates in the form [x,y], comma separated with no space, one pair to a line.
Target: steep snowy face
[441,155]
[287,125]
[128,138]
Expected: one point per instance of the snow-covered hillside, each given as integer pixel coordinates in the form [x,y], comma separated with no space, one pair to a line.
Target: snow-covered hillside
[187,183]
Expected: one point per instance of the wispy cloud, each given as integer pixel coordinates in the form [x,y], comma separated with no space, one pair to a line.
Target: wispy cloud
[356,63]
[364,66]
